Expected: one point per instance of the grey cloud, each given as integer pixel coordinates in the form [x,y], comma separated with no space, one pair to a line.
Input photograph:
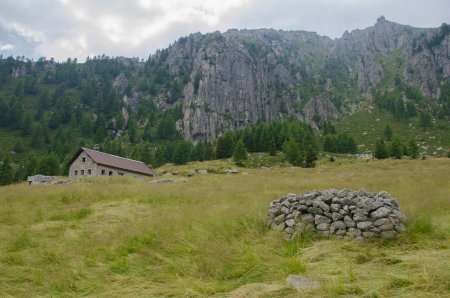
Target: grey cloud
[126,28]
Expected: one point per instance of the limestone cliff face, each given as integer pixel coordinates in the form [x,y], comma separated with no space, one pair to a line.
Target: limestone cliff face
[234,78]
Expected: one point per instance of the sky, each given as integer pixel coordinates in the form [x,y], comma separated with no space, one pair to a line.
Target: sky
[61,29]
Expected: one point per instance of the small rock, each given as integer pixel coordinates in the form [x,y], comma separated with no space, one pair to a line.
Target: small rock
[357,217]
[323,227]
[340,233]
[380,212]
[369,234]
[339,225]
[400,228]
[307,218]
[324,207]
[381,221]
[335,207]
[386,227]
[336,216]
[160,181]
[388,235]
[280,219]
[290,222]
[315,210]
[353,232]
[364,225]
[319,219]
[349,222]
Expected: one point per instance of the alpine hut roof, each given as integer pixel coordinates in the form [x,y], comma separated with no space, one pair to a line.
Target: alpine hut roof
[115,161]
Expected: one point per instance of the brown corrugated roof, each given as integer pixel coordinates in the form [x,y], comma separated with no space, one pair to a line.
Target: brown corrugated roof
[117,161]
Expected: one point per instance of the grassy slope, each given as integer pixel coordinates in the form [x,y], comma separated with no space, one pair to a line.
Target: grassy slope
[207,237]
[367,127]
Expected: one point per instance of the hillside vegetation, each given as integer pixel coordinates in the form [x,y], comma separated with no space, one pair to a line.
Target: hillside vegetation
[207,236]
[205,85]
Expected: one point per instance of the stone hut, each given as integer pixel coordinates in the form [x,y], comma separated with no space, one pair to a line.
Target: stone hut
[88,162]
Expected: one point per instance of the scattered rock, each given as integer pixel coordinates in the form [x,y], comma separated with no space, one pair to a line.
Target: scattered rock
[232,171]
[40,179]
[301,282]
[161,181]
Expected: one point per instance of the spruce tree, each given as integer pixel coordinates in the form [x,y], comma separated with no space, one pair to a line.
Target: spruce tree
[181,153]
[396,148]
[159,158]
[209,152]
[310,156]
[48,165]
[132,131]
[25,128]
[6,172]
[273,147]
[147,132]
[146,154]
[413,149]
[224,146]
[388,133]
[292,152]
[381,150]
[240,153]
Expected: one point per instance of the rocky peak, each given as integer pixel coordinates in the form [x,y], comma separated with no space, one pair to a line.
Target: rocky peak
[240,76]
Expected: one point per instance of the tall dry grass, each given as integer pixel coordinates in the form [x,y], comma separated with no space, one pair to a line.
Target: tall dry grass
[208,236]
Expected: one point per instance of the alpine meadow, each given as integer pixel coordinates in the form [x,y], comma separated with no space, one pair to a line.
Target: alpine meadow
[236,163]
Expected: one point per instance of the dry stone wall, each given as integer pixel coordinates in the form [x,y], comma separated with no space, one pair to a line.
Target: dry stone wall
[344,214]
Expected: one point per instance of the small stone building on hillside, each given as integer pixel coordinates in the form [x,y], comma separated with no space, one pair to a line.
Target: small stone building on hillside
[88,162]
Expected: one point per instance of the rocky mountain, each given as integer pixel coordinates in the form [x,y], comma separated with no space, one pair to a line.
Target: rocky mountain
[235,78]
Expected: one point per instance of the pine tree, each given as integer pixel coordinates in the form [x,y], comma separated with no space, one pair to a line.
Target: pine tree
[273,147]
[248,139]
[388,133]
[181,153]
[381,150]
[264,139]
[147,132]
[166,129]
[224,146]
[292,152]
[37,137]
[200,151]
[48,165]
[159,158]
[310,156]
[209,152]
[425,120]
[395,148]
[132,131]
[146,154]
[6,172]
[240,153]
[329,144]
[25,128]
[413,149]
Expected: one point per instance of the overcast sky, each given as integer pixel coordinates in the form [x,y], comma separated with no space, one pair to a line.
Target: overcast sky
[136,28]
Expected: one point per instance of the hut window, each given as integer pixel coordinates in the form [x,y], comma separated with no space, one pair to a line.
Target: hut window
[76,172]
[120,173]
[110,173]
[83,159]
[89,171]
[82,172]
[103,172]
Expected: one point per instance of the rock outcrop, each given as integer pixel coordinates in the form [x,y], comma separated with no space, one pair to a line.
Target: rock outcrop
[235,78]
[350,214]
